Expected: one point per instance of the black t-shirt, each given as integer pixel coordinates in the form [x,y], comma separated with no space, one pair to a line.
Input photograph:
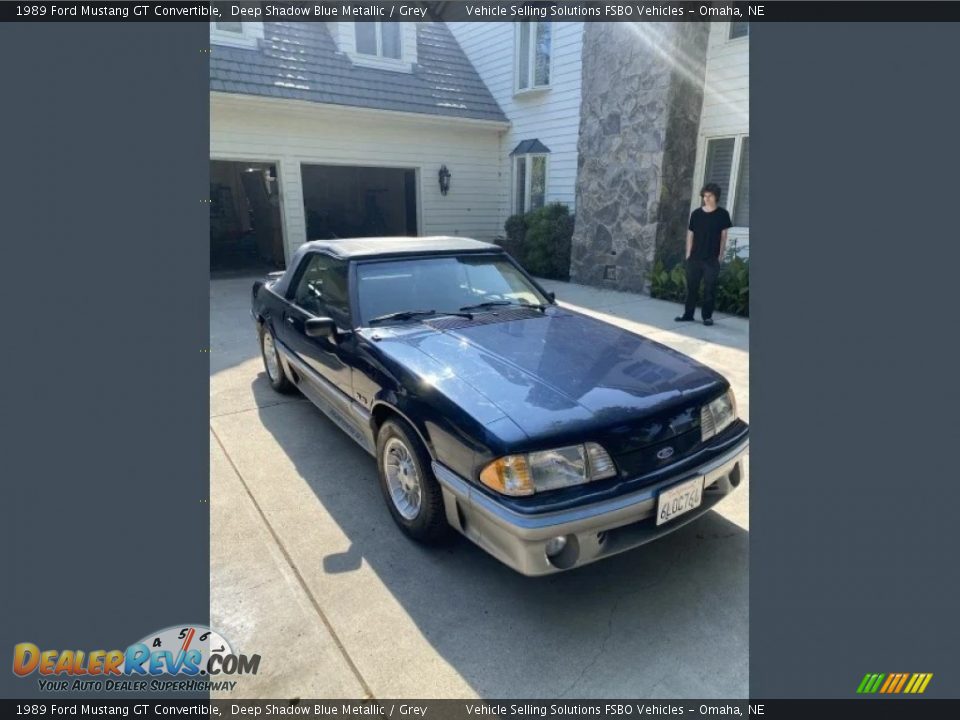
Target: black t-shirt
[706,228]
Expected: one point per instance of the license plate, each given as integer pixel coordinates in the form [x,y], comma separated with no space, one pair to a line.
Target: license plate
[679,499]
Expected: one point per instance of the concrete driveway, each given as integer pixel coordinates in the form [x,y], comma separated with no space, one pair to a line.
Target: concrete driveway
[309,571]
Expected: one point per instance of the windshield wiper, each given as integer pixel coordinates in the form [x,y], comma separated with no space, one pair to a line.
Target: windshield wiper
[502,303]
[412,314]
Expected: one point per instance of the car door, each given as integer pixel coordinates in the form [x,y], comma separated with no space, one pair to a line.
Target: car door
[320,290]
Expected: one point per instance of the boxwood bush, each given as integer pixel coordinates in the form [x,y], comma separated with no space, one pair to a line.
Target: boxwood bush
[540,240]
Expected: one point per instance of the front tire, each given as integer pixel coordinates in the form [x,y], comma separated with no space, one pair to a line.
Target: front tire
[412,494]
[271,362]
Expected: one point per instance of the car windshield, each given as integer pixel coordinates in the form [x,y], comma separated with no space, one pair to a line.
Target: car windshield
[440,284]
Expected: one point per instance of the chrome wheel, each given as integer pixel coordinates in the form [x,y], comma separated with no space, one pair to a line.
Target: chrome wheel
[270,358]
[403,480]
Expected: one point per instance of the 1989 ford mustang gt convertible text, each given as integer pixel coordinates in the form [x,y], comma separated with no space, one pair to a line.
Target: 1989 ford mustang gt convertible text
[547,437]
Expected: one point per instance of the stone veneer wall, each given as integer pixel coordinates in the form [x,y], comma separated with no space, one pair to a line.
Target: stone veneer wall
[642,93]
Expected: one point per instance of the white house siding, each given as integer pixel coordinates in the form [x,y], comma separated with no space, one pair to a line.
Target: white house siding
[292,132]
[726,102]
[551,115]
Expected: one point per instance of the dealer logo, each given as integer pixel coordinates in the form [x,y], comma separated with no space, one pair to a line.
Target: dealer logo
[179,650]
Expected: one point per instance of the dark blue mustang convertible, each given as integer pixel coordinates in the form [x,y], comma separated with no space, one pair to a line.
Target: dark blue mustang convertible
[549,438]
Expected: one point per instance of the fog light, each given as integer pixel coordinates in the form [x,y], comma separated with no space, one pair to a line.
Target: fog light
[555,546]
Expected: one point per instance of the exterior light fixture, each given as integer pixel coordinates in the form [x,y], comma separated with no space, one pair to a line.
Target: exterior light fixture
[444,178]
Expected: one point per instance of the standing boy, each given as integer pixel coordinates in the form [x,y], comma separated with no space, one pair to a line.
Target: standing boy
[706,243]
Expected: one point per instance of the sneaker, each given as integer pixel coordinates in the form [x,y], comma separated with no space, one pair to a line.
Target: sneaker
[708,321]
[683,318]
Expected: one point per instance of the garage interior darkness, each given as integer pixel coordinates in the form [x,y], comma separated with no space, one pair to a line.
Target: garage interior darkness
[246,234]
[341,201]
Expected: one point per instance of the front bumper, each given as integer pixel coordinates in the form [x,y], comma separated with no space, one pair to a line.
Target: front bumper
[593,531]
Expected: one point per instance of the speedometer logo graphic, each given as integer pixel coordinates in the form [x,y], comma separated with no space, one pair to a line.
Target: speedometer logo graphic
[178,641]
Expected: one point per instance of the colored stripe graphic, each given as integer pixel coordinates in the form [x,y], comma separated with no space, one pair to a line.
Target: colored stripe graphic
[894,683]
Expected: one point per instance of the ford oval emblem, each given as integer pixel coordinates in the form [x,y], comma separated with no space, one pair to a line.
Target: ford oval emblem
[664,453]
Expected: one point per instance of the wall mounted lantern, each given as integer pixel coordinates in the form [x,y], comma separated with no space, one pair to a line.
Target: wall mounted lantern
[444,177]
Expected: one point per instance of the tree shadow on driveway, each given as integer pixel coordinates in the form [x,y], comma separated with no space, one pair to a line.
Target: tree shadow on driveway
[669,619]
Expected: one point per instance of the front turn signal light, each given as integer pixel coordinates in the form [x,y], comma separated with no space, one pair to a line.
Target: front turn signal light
[508,475]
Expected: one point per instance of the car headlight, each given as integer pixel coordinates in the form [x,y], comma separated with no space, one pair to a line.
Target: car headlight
[716,416]
[548,469]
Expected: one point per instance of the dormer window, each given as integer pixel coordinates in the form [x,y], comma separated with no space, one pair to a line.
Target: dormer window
[379,39]
[236,34]
[381,45]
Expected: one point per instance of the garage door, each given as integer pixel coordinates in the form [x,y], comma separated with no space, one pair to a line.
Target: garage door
[350,201]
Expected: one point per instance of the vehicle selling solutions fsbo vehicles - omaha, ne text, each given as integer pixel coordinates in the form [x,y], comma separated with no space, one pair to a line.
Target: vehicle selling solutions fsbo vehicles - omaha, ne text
[549,438]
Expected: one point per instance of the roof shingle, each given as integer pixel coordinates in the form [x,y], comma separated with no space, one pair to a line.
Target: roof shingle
[300,61]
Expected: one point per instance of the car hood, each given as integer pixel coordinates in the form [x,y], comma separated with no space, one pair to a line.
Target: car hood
[558,372]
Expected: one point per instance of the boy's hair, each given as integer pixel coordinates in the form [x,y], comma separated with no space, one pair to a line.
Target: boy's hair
[711,188]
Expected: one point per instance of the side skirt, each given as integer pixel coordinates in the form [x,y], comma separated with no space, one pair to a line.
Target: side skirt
[349,416]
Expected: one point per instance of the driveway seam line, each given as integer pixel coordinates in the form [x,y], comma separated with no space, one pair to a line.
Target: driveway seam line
[259,407]
[300,579]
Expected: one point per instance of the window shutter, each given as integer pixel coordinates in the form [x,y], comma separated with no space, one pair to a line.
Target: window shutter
[741,213]
[719,164]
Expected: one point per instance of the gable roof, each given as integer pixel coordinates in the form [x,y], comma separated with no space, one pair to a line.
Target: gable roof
[530,147]
[300,61]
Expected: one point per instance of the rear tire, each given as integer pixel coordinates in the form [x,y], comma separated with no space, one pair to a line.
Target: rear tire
[409,488]
[271,362]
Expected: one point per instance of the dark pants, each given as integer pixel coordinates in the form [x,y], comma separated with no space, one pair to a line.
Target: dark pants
[707,271]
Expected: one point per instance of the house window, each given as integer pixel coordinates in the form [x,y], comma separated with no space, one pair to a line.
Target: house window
[739,29]
[378,39]
[533,55]
[530,182]
[529,175]
[727,164]
[236,33]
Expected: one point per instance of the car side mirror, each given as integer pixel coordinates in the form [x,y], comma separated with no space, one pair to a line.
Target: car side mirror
[320,327]
[552,297]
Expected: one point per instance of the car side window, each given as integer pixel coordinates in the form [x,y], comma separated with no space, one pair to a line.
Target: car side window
[322,288]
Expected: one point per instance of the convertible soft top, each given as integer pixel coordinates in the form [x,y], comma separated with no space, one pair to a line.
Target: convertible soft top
[377,247]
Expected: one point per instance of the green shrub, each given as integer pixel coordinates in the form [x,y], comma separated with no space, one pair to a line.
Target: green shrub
[540,240]
[513,243]
[733,285]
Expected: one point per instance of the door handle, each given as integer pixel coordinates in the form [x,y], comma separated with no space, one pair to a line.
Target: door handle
[290,320]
